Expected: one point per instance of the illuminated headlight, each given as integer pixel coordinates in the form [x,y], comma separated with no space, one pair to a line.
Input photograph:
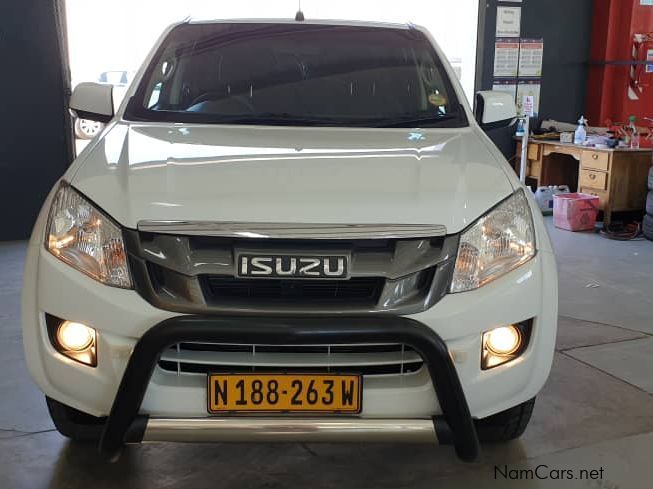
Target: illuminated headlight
[497,243]
[86,239]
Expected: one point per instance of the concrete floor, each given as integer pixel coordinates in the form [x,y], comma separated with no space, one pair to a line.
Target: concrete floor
[596,411]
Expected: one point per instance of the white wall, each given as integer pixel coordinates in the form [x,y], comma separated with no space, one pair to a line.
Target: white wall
[117,34]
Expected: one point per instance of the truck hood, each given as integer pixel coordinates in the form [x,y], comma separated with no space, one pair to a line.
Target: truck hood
[138,172]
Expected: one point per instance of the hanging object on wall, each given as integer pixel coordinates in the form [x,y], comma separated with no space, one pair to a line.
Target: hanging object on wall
[640,72]
[528,97]
[506,58]
[508,21]
[531,55]
[506,85]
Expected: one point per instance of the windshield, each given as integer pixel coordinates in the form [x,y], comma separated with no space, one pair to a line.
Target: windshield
[296,74]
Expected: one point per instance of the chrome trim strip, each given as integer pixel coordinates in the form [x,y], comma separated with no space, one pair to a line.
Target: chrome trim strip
[291,430]
[272,230]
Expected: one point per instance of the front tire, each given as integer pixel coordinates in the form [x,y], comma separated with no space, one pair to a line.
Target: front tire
[506,425]
[74,424]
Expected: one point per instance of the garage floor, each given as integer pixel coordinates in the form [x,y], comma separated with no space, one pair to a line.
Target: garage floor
[596,411]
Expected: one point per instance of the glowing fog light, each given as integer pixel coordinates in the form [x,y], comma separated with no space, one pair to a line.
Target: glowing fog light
[503,341]
[75,337]
[504,344]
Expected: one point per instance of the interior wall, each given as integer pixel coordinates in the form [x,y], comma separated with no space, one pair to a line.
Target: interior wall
[566,27]
[35,142]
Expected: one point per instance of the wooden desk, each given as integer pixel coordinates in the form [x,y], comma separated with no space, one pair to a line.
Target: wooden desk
[617,176]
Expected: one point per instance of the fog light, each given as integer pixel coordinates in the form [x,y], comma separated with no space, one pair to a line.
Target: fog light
[72,339]
[503,341]
[75,337]
[503,344]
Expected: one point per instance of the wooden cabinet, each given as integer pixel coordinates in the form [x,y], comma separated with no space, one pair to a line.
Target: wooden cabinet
[618,177]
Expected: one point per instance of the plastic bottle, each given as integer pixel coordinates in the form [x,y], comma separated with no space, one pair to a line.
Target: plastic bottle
[544,198]
[581,133]
[633,133]
[520,129]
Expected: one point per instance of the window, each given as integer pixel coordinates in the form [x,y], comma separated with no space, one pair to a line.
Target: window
[296,74]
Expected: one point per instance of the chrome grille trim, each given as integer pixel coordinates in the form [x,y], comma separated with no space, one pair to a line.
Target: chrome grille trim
[200,358]
[170,272]
[293,230]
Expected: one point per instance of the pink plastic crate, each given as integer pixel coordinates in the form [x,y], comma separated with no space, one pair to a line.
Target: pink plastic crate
[575,211]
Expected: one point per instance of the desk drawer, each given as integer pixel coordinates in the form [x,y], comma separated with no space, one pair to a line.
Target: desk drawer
[593,179]
[534,169]
[601,194]
[533,151]
[596,160]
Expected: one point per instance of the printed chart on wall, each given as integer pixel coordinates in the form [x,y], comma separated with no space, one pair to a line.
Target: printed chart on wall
[506,86]
[531,54]
[506,57]
[528,97]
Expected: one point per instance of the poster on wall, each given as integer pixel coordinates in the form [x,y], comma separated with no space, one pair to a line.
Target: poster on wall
[506,85]
[531,55]
[508,21]
[649,57]
[506,58]
[528,97]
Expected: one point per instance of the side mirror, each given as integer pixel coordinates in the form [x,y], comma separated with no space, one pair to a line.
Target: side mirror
[93,101]
[495,109]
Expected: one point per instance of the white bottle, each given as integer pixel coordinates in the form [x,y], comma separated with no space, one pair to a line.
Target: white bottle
[544,198]
[581,133]
[633,133]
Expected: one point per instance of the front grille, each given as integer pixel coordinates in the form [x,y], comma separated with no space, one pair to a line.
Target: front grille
[365,359]
[361,290]
[198,275]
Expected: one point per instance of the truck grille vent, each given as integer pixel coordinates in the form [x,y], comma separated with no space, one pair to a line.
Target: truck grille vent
[366,359]
[359,289]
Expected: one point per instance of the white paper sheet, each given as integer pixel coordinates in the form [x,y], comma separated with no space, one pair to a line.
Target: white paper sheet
[508,21]
[528,97]
[531,55]
[507,86]
[506,58]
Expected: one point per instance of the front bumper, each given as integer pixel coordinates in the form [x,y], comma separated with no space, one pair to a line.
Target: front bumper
[456,424]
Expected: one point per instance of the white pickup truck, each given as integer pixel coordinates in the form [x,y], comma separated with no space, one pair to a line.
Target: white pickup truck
[291,231]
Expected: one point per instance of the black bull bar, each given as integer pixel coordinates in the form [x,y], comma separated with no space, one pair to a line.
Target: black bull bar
[455,426]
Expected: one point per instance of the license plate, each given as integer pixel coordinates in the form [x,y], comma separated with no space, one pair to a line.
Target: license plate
[328,393]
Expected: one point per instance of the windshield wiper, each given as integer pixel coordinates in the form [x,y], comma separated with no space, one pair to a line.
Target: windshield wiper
[429,120]
[287,119]
[277,119]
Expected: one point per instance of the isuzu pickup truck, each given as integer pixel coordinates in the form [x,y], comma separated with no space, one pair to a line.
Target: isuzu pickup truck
[291,231]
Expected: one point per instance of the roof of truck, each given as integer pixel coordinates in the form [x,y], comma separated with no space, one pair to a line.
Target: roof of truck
[357,23]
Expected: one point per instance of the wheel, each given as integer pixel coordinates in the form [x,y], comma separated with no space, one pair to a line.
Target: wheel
[506,425]
[649,203]
[647,227]
[74,424]
[87,129]
[650,178]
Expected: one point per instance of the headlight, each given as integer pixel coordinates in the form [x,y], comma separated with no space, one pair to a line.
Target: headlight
[86,239]
[497,243]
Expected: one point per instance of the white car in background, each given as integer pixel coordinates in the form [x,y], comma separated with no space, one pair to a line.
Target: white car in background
[120,80]
[291,231]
